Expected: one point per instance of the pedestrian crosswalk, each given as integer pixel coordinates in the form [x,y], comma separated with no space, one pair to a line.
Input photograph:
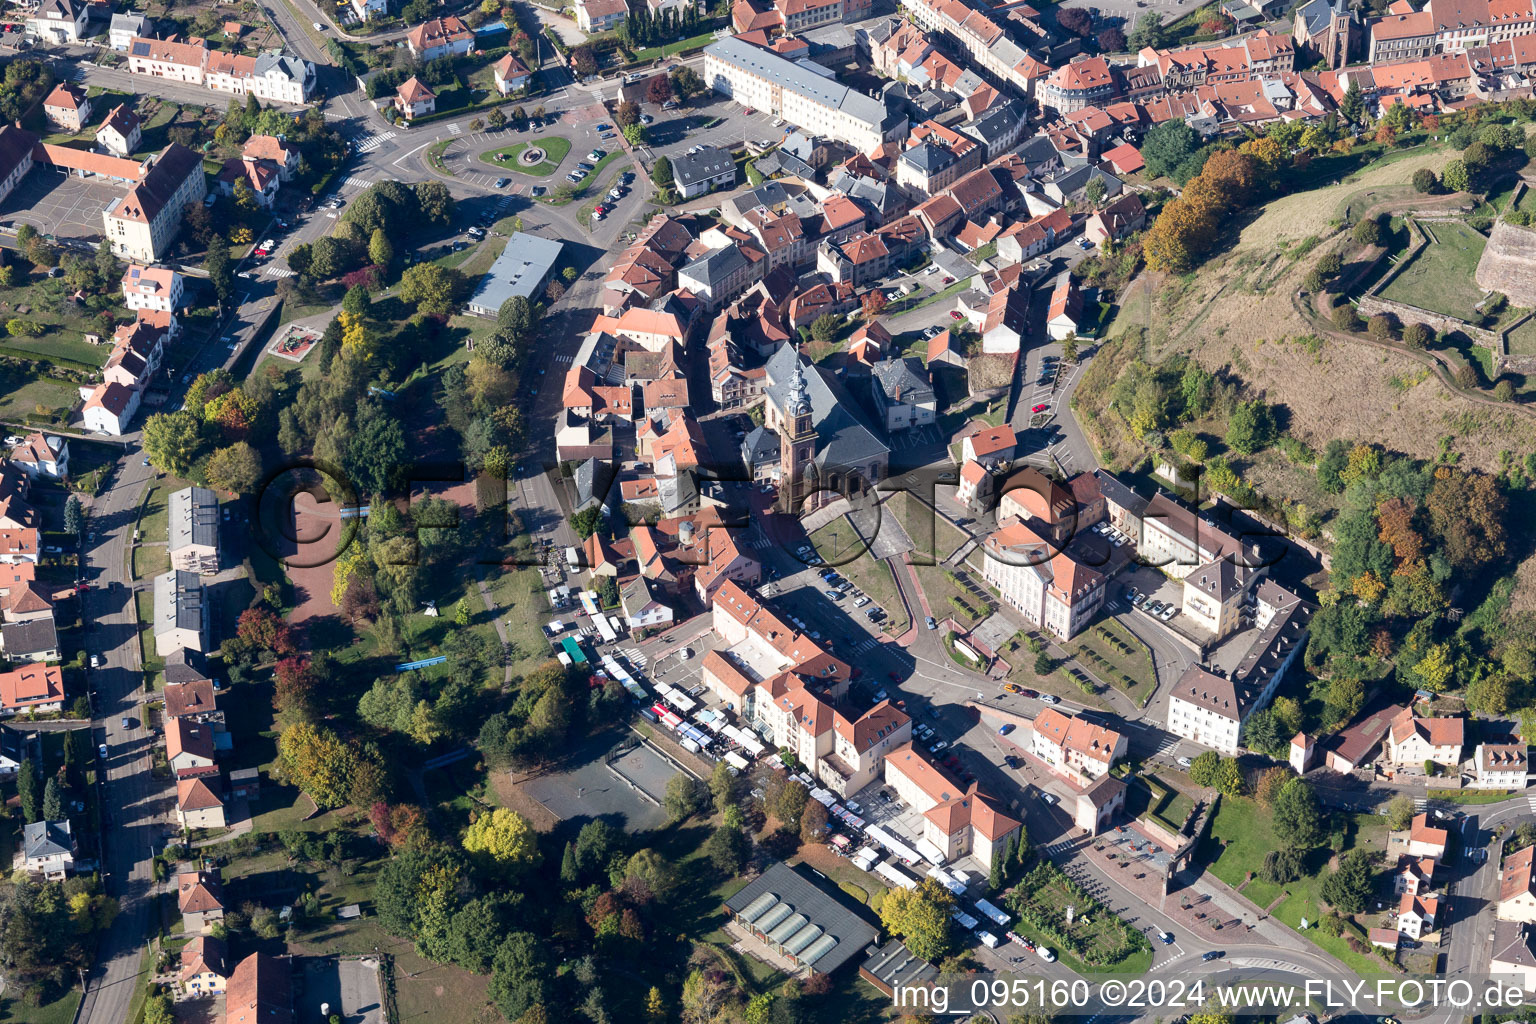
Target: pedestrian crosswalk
[373,142]
[1532,802]
[1166,744]
[867,645]
[272,270]
[356,182]
[564,357]
[454,128]
[1065,846]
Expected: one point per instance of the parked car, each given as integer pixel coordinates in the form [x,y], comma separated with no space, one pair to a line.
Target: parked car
[931,623]
[1165,938]
[1215,954]
[1050,698]
[95,661]
[1041,407]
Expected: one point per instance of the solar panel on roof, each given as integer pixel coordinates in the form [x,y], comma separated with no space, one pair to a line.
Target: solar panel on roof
[818,949]
[790,926]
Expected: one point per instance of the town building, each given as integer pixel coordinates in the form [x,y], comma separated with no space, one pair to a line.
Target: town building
[44,456]
[795,919]
[67,107]
[194,530]
[847,455]
[755,77]
[1051,589]
[124,26]
[200,898]
[440,37]
[1099,804]
[153,288]
[199,804]
[271,76]
[1077,748]
[1514,953]
[593,16]
[523,269]
[48,849]
[260,991]
[34,639]
[189,747]
[702,169]
[414,99]
[141,224]
[180,611]
[281,153]
[120,133]
[1501,766]
[1517,887]
[34,687]
[511,75]
[110,408]
[1412,740]
[903,394]
[1419,840]
[957,820]
[58,22]
[204,968]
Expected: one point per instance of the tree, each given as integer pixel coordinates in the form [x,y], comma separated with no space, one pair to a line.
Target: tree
[431,288]
[655,1007]
[505,838]
[236,468]
[920,917]
[1379,327]
[171,441]
[1149,31]
[584,61]
[29,788]
[1271,782]
[686,82]
[1417,336]
[825,327]
[1297,815]
[626,114]
[661,172]
[1352,105]
[520,975]
[1424,180]
[1368,231]
[586,522]
[813,822]
[1345,318]
[1075,20]
[53,800]
[1229,777]
[319,763]
[1400,812]
[434,201]
[685,797]
[1094,192]
[873,303]
[1348,888]
[1167,145]
[791,803]
[726,849]
[1468,511]
[220,268]
[1112,40]
[1251,427]
[74,516]
[1202,771]
[1455,176]
[658,90]
[722,787]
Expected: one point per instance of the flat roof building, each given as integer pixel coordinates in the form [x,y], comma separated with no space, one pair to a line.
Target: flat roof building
[522,269]
[800,921]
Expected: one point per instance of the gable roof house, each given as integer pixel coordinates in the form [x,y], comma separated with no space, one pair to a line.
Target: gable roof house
[440,37]
[958,820]
[42,455]
[1412,740]
[200,898]
[260,991]
[48,849]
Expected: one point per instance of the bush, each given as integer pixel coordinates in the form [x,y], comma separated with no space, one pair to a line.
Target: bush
[1504,391]
[1380,327]
[1418,336]
[1466,375]
[1345,318]
[1368,232]
[1424,180]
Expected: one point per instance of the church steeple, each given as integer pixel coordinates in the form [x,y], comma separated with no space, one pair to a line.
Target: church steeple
[797,442]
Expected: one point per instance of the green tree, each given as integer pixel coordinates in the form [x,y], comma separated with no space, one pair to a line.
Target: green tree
[316,761]
[505,838]
[171,441]
[685,797]
[74,516]
[1229,777]
[791,803]
[722,787]
[586,522]
[431,288]
[357,301]
[1455,177]
[726,849]
[1368,231]
[220,268]
[1167,145]
[825,327]
[1202,771]
[1400,812]
[1251,427]
[1424,180]
[1349,888]
[53,800]
[920,917]
[1298,817]
[1352,105]
[661,172]
[236,468]
[29,788]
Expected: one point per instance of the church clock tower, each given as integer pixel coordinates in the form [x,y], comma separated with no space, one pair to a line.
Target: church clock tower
[797,444]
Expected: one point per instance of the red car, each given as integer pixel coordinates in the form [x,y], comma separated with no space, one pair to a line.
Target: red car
[1040,408]
[955,314]
[1030,693]
[949,280]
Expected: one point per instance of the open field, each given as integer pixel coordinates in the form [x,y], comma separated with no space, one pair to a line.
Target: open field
[1439,277]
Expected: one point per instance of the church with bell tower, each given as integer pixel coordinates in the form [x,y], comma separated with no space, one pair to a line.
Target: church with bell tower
[797,445]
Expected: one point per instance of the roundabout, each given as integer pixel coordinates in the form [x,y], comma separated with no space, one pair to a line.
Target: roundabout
[538,158]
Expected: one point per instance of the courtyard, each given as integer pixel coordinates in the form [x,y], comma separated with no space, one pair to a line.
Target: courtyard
[1439,277]
[61,205]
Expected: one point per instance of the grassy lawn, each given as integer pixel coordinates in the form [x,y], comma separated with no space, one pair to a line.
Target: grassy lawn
[519,597]
[60,1011]
[1439,278]
[652,52]
[53,345]
[150,561]
[1522,340]
[1169,807]
[1242,833]
[21,396]
[154,664]
[1103,651]
[1470,796]
[555,148]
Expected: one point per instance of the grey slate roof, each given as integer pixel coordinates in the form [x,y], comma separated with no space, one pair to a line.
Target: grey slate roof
[23,639]
[842,439]
[849,933]
[903,380]
[291,67]
[769,193]
[760,448]
[46,839]
[1116,493]
[928,158]
[780,162]
[899,968]
[186,666]
[996,123]
[593,479]
[519,270]
[799,78]
[709,163]
[178,601]
[1316,14]
[194,518]
[715,266]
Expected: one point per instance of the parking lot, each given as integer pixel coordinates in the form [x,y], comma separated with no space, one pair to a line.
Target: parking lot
[348,988]
[598,788]
[67,207]
[673,132]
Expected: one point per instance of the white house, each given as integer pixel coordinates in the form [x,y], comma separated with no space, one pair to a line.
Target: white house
[58,22]
[109,408]
[1514,953]
[42,456]
[440,37]
[593,16]
[1413,740]
[125,25]
[1051,589]
[1517,887]
[511,75]
[153,288]
[643,605]
[1501,766]
[48,849]
[956,819]
[121,132]
[1078,748]
[414,99]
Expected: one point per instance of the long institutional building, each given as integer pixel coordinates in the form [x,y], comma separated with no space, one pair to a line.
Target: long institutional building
[802,93]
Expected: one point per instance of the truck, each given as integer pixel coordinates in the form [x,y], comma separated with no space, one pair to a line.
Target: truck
[988,939]
[993,914]
[964,920]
